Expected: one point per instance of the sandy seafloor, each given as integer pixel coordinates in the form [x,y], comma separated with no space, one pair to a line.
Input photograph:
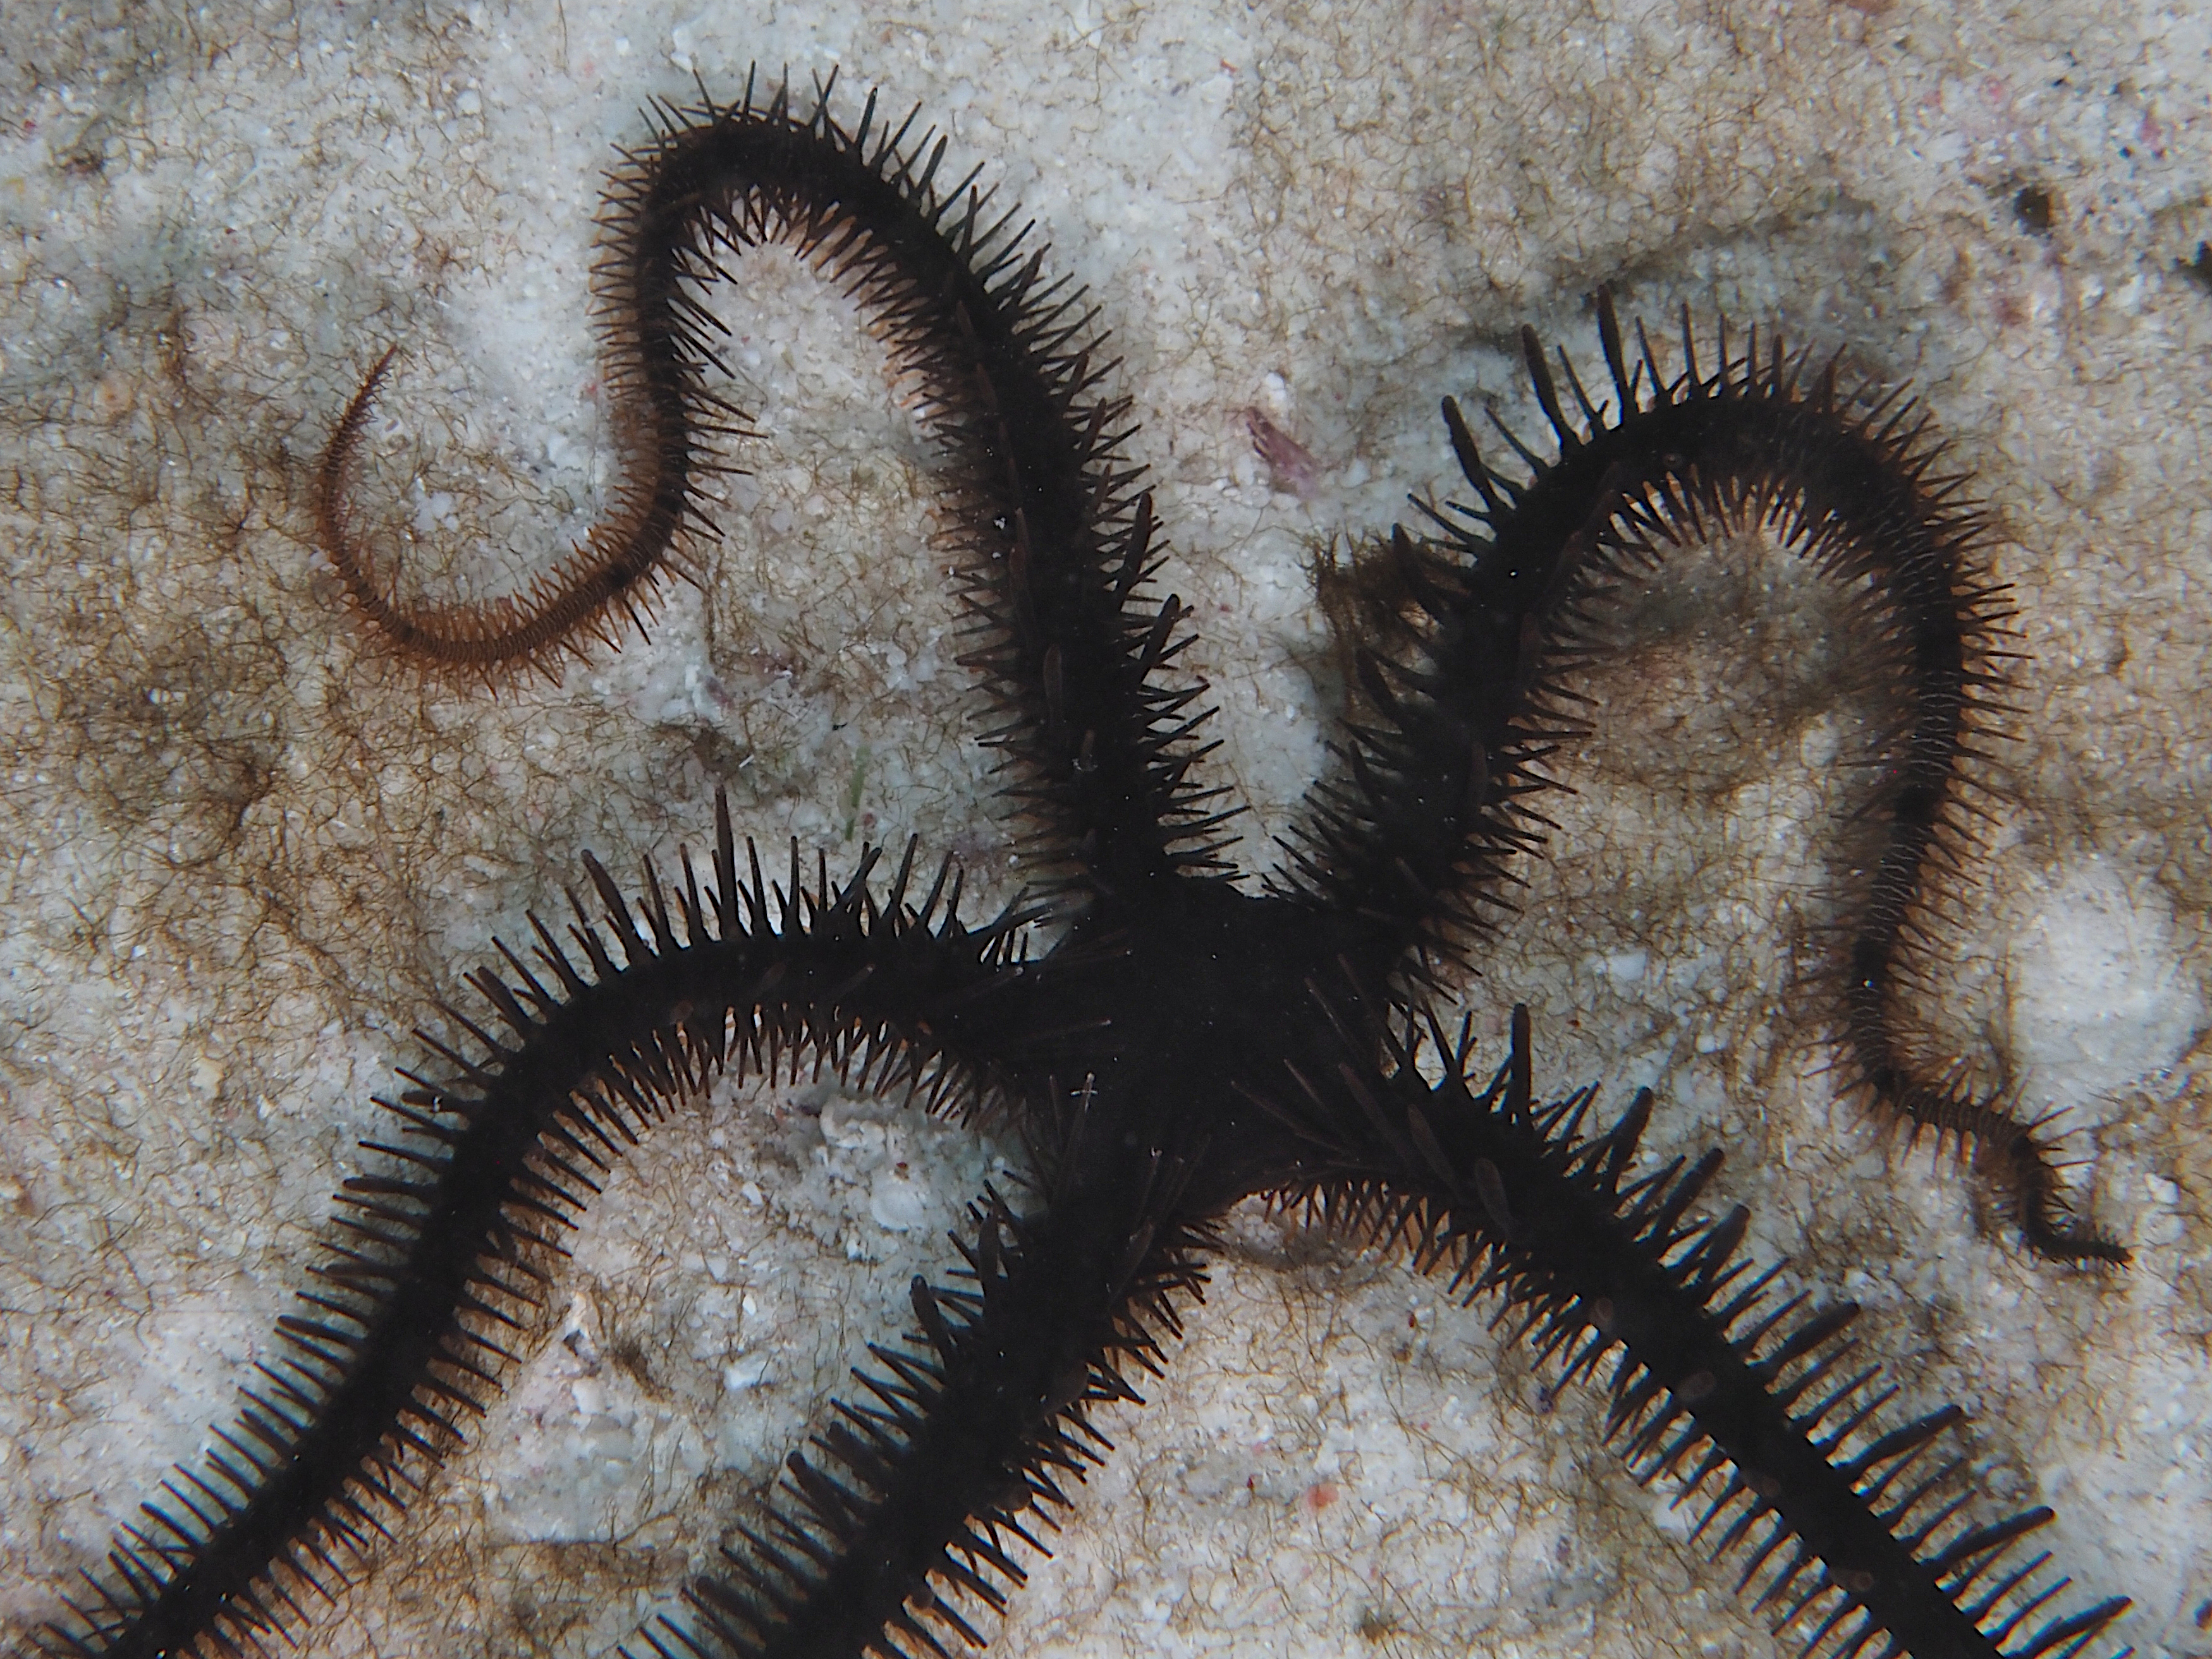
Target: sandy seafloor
[243,853]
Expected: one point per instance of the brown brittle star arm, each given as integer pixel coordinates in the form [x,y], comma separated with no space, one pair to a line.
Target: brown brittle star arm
[1054,537]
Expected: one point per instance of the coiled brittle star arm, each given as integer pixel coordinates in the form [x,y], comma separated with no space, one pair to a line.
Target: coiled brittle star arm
[1055,538]
[1477,691]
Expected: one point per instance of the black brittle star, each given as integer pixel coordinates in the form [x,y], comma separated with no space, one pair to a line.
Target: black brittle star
[1182,1043]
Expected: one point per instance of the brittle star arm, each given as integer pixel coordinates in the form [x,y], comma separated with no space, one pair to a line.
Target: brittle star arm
[1500,606]
[1054,539]
[440,1257]
[906,1513]
[1855,1532]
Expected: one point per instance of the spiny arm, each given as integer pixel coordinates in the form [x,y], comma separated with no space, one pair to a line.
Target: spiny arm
[1472,689]
[441,1254]
[1853,1530]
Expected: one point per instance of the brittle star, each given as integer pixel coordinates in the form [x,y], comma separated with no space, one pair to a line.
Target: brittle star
[1183,1044]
